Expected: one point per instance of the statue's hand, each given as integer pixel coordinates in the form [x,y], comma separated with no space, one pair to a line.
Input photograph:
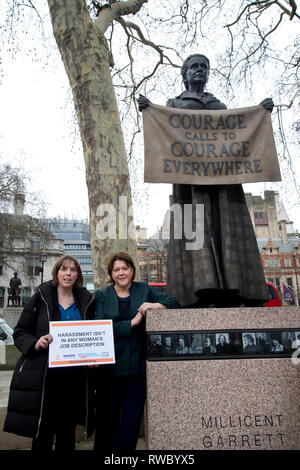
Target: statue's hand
[143,102]
[268,104]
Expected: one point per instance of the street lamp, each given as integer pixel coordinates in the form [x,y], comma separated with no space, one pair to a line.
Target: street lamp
[43,260]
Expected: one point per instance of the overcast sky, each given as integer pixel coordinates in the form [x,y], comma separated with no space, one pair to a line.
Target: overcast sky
[37,132]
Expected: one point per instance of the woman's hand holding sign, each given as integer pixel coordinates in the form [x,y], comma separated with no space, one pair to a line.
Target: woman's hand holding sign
[43,342]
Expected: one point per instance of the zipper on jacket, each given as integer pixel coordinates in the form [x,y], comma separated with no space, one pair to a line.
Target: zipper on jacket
[22,365]
[87,385]
[46,368]
[84,313]
[44,378]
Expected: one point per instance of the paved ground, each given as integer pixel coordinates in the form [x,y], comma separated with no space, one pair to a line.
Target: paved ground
[88,445]
[5,378]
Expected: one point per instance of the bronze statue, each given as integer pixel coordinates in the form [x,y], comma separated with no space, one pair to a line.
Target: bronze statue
[14,291]
[227,270]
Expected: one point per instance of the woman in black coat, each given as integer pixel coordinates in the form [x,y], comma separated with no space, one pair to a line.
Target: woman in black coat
[44,402]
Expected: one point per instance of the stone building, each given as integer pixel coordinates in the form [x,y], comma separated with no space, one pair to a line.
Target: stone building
[28,249]
[152,259]
[267,213]
[278,243]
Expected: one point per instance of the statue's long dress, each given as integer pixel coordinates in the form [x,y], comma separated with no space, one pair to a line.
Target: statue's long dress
[227,270]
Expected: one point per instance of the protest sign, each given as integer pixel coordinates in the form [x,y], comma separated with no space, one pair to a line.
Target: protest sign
[81,343]
[209,147]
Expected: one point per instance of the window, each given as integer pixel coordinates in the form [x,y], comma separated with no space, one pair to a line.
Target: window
[34,267]
[287,262]
[153,273]
[35,243]
[289,281]
[25,295]
[77,252]
[84,260]
[277,284]
[71,235]
[260,218]
[34,270]
[90,286]
[144,273]
[271,262]
[290,299]
[72,246]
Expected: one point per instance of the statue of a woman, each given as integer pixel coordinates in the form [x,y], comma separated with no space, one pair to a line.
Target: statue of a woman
[227,270]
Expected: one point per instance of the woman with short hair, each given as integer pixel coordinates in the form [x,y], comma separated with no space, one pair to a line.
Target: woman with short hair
[122,386]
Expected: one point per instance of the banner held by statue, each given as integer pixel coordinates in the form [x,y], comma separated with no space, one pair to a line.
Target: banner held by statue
[209,147]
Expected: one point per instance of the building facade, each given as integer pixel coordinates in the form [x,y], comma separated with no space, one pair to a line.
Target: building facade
[29,250]
[278,243]
[76,238]
[152,257]
[76,242]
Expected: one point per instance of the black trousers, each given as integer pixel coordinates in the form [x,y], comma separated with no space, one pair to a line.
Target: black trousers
[120,406]
[63,431]
[63,397]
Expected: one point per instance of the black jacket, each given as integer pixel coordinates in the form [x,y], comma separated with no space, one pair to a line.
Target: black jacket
[130,343]
[31,372]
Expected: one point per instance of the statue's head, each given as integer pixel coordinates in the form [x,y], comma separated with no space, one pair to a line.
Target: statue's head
[187,63]
[15,273]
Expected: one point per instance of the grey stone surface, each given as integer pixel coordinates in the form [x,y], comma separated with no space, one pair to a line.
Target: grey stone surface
[232,404]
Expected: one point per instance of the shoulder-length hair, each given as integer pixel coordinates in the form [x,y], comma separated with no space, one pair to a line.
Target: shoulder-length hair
[66,260]
[121,256]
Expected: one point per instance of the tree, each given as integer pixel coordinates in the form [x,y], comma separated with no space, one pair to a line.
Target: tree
[118,48]
[86,57]
[250,31]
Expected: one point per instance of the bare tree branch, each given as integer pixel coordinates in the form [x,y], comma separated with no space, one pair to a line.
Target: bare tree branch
[116,10]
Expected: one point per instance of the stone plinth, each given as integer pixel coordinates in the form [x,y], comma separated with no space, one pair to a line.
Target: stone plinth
[241,396]
[11,315]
